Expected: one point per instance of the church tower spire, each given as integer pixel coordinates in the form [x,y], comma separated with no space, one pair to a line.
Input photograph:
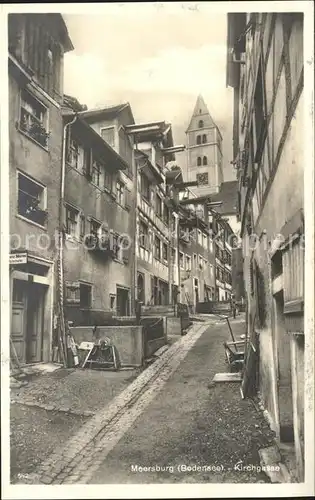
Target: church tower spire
[204,150]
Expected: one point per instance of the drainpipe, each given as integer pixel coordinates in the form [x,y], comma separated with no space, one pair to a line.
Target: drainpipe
[60,271]
[135,263]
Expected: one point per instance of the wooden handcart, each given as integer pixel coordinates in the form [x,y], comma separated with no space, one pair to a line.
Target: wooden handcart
[235,354]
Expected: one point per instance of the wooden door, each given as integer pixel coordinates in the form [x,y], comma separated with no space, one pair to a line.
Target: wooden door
[284,383]
[18,319]
[35,323]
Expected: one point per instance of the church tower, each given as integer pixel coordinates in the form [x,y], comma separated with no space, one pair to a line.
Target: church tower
[204,151]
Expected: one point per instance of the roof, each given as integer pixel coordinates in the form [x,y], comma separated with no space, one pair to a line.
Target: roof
[227,194]
[201,109]
[106,111]
[115,160]
[153,131]
[67,44]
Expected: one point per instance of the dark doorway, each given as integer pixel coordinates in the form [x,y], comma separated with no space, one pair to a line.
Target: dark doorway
[284,382]
[122,301]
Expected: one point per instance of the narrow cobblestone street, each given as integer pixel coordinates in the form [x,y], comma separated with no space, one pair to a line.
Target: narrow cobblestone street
[171,425]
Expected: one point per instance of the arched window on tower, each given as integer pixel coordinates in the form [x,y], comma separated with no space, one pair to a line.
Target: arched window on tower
[205,160]
[204,138]
[198,139]
[199,161]
[200,124]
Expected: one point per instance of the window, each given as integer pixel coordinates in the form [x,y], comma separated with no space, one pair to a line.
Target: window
[108,180]
[72,221]
[181,260]
[200,124]
[166,215]
[31,200]
[201,263]
[120,192]
[97,172]
[95,227]
[33,118]
[157,247]
[205,160]
[145,187]
[118,245]
[85,296]
[204,138]
[73,154]
[158,207]
[198,139]
[143,235]
[165,251]
[188,263]
[199,237]
[195,261]
[199,161]
[205,242]
[108,135]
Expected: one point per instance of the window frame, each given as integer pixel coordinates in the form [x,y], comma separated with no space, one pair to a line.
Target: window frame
[143,236]
[113,127]
[43,200]
[158,206]
[181,260]
[145,182]
[97,166]
[44,122]
[120,193]
[69,207]
[157,255]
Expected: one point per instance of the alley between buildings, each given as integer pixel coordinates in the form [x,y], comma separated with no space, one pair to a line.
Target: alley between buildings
[172,424]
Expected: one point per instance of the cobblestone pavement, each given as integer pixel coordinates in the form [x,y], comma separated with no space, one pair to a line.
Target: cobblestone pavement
[79,459]
[193,431]
[73,391]
[172,416]
[52,407]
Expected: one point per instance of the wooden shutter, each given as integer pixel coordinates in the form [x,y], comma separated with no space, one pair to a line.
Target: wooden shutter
[293,278]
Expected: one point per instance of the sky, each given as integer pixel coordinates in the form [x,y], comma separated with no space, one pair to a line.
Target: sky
[158,57]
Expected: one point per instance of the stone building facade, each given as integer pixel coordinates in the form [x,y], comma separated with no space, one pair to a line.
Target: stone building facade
[37,43]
